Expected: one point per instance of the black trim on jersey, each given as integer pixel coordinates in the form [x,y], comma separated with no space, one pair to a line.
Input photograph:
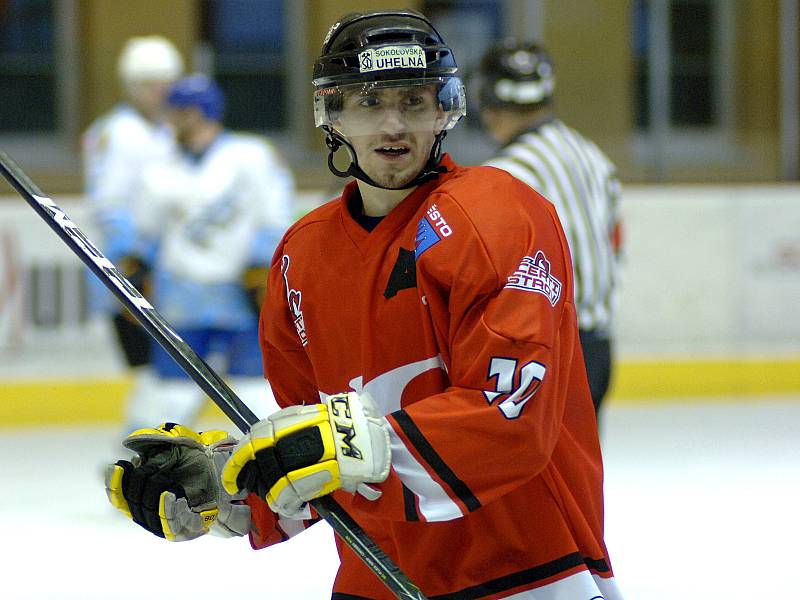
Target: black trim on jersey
[410,504]
[403,275]
[528,576]
[599,565]
[435,461]
[367,222]
[355,206]
[341,596]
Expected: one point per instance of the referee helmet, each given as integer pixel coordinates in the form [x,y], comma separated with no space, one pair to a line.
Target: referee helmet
[515,74]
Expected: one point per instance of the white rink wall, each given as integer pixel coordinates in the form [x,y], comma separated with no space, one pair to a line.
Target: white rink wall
[709,271]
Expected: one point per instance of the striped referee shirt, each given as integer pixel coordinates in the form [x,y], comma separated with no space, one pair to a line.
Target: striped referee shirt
[582,183]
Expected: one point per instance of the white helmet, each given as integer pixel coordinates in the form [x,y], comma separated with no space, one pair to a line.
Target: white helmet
[151,58]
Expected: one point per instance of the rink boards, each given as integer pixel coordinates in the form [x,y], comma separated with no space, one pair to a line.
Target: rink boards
[708,304]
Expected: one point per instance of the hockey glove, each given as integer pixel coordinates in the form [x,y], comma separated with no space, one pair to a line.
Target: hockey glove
[171,488]
[254,283]
[137,271]
[304,452]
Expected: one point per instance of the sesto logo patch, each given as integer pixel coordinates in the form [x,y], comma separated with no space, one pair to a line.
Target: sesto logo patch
[431,229]
[391,57]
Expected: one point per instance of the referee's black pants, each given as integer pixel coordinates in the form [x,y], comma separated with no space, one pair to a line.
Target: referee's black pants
[597,358]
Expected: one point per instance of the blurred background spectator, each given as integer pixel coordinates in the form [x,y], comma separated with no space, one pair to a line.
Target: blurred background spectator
[116,148]
[214,211]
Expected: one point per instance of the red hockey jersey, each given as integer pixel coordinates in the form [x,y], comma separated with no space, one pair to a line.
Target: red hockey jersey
[456,314]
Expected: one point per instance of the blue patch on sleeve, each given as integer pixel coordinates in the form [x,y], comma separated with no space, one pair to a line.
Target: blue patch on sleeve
[426,237]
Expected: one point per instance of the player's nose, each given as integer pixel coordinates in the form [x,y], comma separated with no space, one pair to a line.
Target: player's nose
[393,120]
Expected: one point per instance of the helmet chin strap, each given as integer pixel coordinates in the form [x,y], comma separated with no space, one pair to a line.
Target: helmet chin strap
[431,170]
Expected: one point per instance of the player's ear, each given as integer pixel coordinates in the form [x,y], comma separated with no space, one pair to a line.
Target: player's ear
[439,120]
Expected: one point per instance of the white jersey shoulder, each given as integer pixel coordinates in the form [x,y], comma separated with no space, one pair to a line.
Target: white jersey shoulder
[271,176]
[116,147]
[208,209]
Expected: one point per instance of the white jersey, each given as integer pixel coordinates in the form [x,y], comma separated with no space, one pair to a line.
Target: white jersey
[208,210]
[575,175]
[211,215]
[116,148]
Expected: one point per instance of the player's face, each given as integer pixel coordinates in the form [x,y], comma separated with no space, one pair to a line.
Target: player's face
[185,122]
[392,130]
[149,97]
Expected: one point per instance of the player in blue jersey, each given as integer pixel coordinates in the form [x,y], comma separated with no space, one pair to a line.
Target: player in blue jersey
[216,210]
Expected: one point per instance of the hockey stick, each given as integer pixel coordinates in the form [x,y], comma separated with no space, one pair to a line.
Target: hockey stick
[211,383]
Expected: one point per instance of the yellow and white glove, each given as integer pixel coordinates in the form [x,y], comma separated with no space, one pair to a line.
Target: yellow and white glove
[172,489]
[304,452]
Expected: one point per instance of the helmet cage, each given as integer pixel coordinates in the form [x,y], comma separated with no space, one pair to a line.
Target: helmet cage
[450,96]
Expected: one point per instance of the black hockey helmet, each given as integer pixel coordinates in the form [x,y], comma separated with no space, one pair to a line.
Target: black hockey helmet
[351,43]
[383,49]
[515,74]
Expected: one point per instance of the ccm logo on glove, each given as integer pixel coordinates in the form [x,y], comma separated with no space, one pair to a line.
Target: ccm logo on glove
[340,409]
[304,452]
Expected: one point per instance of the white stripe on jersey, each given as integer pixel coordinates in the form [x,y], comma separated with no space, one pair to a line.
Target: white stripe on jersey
[581,182]
[291,527]
[387,390]
[434,503]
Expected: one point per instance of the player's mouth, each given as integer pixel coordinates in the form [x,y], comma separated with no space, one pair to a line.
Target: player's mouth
[393,151]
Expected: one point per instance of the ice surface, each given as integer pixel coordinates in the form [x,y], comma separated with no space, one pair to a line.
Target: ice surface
[702,503]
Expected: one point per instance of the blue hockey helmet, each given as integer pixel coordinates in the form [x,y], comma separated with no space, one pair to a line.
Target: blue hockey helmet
[199,91]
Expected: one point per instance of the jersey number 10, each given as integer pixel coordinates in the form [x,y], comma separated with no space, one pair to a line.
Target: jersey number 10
[517,388]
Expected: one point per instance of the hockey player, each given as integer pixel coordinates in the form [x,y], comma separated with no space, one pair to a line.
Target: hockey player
[515,85]
[421,332]
[216,210]
[116,148]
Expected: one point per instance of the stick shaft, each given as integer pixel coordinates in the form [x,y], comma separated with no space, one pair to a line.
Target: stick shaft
[210,382]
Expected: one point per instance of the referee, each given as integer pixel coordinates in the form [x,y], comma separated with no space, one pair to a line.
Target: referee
[515,83]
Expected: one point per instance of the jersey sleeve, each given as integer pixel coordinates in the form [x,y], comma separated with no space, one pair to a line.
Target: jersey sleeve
[111,154]
[286,364]
[279,188]
[497,283]
[520,169]
[289,372]
[268,528]
[154,196]
[170,186]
